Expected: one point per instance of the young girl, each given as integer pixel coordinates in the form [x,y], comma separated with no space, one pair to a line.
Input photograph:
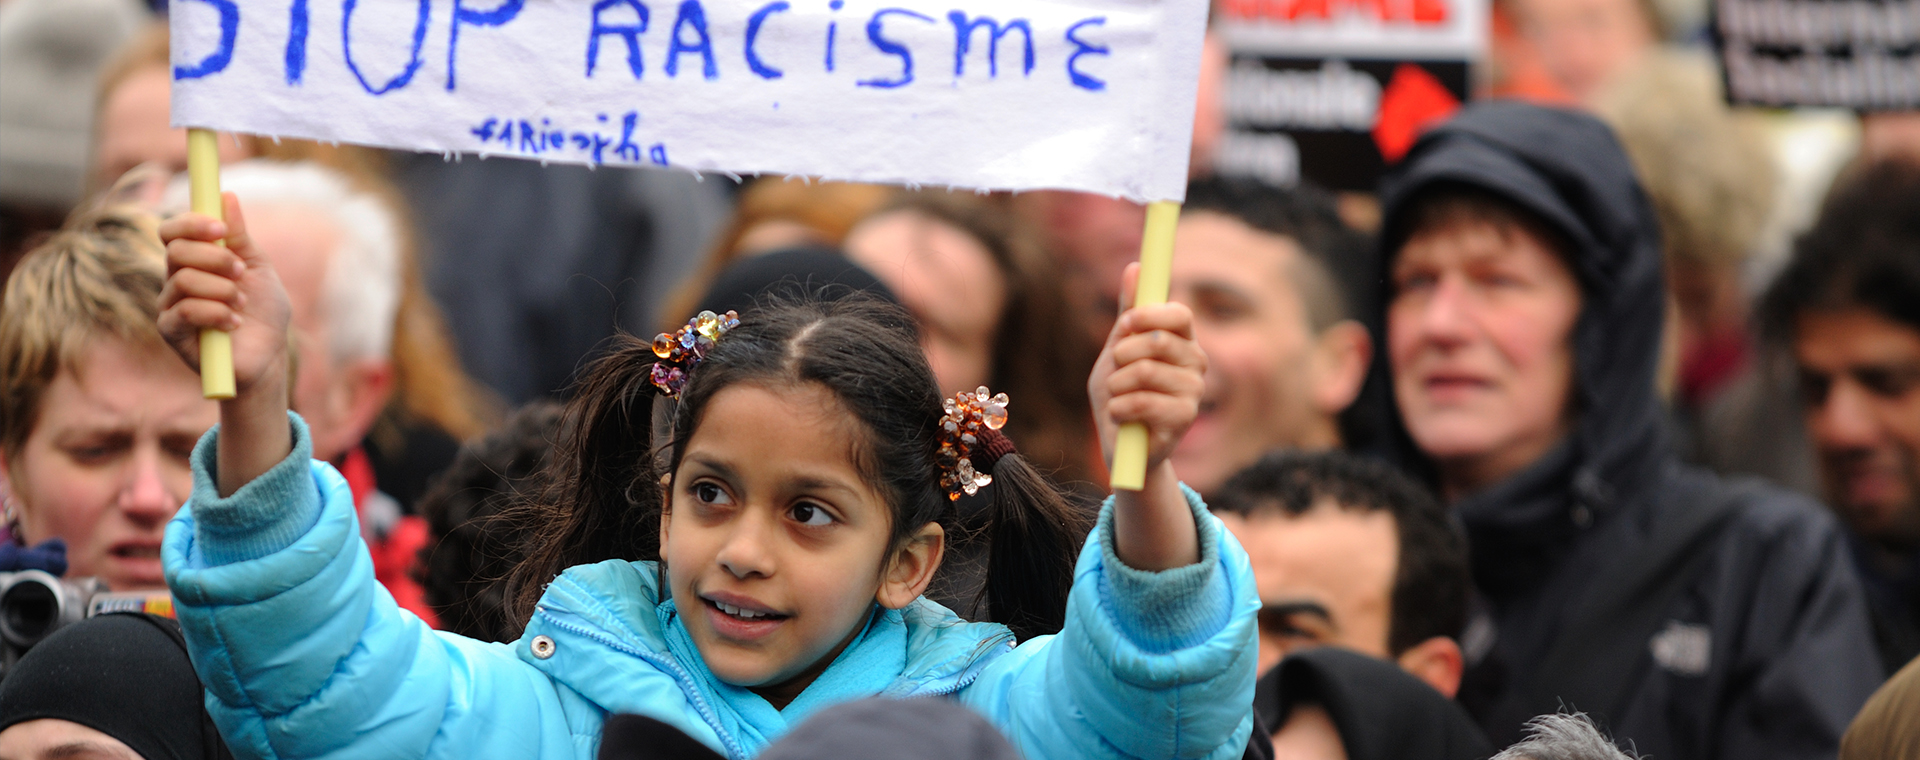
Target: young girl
[788,528]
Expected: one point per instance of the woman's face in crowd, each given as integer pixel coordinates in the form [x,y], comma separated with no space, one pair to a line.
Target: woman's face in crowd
[105,466]
[774,543]
[948,280]
[1585,42]
[1479,333]
[135,128]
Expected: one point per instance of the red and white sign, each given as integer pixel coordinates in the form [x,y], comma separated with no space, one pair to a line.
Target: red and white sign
[1334,91]
[1427,29]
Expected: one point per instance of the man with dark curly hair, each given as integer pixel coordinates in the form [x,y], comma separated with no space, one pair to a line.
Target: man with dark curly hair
[1848,306]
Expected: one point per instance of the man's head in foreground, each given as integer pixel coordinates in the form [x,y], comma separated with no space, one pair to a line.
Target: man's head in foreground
[1351,553]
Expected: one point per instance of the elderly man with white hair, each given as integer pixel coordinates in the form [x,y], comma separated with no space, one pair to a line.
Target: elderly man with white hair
[337,246]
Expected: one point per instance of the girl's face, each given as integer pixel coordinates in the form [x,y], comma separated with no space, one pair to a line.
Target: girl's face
[776,547]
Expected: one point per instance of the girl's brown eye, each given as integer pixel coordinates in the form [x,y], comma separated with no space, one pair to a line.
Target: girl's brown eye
[808,514]
[709,493]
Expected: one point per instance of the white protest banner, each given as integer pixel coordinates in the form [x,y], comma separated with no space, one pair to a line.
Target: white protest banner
[1093,95]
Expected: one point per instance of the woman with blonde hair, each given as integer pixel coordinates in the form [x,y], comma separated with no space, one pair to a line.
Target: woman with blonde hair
[96,418]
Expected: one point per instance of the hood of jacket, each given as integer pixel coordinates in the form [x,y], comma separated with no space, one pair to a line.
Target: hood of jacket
[617,641]
[1568,169]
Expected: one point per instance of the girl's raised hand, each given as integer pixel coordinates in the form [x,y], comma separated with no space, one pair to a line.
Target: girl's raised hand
[1151,372]
[232,288]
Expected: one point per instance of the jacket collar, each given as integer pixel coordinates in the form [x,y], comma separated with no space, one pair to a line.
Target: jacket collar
[620,644]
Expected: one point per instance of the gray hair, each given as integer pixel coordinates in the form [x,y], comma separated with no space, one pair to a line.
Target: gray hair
[1562,736]
[360,294]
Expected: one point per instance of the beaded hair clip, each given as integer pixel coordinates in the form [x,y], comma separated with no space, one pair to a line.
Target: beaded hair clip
[681,351]
[970,441]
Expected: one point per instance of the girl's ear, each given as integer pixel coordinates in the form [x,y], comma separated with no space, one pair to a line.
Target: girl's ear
[911,568]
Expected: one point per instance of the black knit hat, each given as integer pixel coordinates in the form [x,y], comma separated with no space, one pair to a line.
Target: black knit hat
[1381,712]
[124,675]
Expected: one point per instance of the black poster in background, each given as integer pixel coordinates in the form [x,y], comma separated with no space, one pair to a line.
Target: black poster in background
[1859,54]
[1334,122]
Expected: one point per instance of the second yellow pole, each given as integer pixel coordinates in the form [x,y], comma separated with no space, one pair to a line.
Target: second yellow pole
[1156,274]
[203,190]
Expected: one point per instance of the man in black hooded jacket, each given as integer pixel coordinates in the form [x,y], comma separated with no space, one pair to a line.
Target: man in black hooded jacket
[1694,618]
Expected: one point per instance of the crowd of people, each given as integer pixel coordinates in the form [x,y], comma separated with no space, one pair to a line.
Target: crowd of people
[1592,432]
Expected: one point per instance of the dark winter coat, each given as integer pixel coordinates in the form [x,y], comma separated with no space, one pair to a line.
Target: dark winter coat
[1762,649]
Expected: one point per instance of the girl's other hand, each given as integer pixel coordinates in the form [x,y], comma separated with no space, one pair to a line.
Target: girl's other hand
[1151,372]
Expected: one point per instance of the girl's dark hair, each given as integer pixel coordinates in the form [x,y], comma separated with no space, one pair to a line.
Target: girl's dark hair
[473,545]
[604,499]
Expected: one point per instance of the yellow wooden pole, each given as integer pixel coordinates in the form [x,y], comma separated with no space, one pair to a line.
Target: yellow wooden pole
[203,189]
[1156,274]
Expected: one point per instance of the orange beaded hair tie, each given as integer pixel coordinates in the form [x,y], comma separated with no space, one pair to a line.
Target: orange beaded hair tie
[681,351]
[971,442]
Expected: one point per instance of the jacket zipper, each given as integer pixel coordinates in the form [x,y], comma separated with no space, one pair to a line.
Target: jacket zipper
[668,665]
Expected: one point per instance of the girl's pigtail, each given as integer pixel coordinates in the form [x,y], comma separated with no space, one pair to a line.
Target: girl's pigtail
[1035,537]
[601,500]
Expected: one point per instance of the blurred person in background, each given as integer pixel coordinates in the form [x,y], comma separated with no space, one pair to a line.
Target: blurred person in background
[395,418]
[773,214]
[537,267]
[1889,726]
[1270,275]
[990,311]
[1710,176]
[1092,238]
[1848,310]
[98,418]
[1330,703]
[1562,736]
[1582,44]
[132,120]
[112,687]
[1525,306]
[50,53]
[1351,555]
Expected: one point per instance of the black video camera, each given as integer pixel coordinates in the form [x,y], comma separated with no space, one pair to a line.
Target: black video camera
[35,603]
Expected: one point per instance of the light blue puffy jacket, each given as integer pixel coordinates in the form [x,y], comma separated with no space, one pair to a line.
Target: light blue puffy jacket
[304,655]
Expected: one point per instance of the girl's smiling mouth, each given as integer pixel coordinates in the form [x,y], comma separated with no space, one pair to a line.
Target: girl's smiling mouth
[740,618]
